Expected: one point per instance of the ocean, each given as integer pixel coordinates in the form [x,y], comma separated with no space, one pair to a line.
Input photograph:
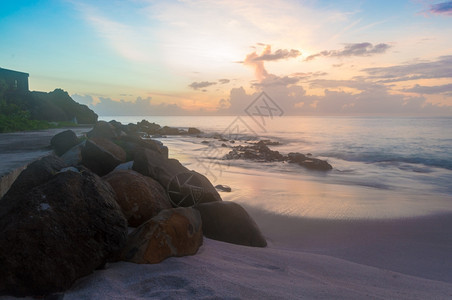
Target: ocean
[383,167]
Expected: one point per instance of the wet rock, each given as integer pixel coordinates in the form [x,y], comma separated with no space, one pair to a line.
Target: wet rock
[229,222]
[223,188]
[173,232]
[170,131]
[139,197]
[258,151]
[57,232]
[63,141]
[309,162]
[192,130]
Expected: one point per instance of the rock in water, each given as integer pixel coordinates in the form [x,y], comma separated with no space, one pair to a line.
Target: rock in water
[140,197]
[57,232]
[64,141]
[173,232]
[229,222]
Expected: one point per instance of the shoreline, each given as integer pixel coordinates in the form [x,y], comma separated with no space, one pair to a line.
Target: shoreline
[403,258]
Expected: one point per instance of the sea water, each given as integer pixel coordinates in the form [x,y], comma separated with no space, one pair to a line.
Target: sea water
[382,167]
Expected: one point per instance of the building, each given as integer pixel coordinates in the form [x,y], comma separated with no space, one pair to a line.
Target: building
[16,81]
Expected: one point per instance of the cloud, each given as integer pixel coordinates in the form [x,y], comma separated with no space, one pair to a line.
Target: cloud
[355,49]
[200,85]
[224,81]
[441,68]
[446,88]
[257,61]
[273,80]
[442,8]
[141,106]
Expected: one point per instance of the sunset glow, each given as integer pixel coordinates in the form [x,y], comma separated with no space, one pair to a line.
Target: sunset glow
[194,57]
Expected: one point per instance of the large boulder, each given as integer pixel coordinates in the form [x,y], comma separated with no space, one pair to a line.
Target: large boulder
[185,187]
[73,156]
[57,232]
[140,197]
[63,141]
[37,173]
[173,232]
[99,157]
[133,144]
[229,222]
[103,129]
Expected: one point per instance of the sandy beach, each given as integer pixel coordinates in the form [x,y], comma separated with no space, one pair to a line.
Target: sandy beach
[305,259]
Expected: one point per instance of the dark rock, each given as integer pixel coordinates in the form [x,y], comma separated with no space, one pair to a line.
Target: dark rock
[270,143]
[229,222]
[224,145]
[57,232]
[204,142]
[98,159]
[223,188]
[309,162]
[37,173]
[111,147]
[169,131]
[173,232]
[149,128]
[258,151]
[193,130]
[103,129]
[139,197]
[64,141]
[185,187]
[132,143]
[73,156]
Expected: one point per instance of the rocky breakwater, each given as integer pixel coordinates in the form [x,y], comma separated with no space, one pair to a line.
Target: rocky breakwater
[260,152]
[109,196]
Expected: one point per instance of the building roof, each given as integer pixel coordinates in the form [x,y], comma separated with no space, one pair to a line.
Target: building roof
[12,71]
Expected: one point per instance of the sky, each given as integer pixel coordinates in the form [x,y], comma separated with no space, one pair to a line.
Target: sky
[190,57]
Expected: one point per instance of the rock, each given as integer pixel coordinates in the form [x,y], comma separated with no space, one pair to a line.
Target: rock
[192,130]
[98,159]
[37,173]
[58,231]
[131,144]
[309,162]
[124,166]
[223,188]
[258,151]
[184,187]
[169,131]
[111,147]
[139,197]
[64,141]
[103,129]
[224,145]
[149,128]
[73,156]
[229,222]
[173,232]
[205,142]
